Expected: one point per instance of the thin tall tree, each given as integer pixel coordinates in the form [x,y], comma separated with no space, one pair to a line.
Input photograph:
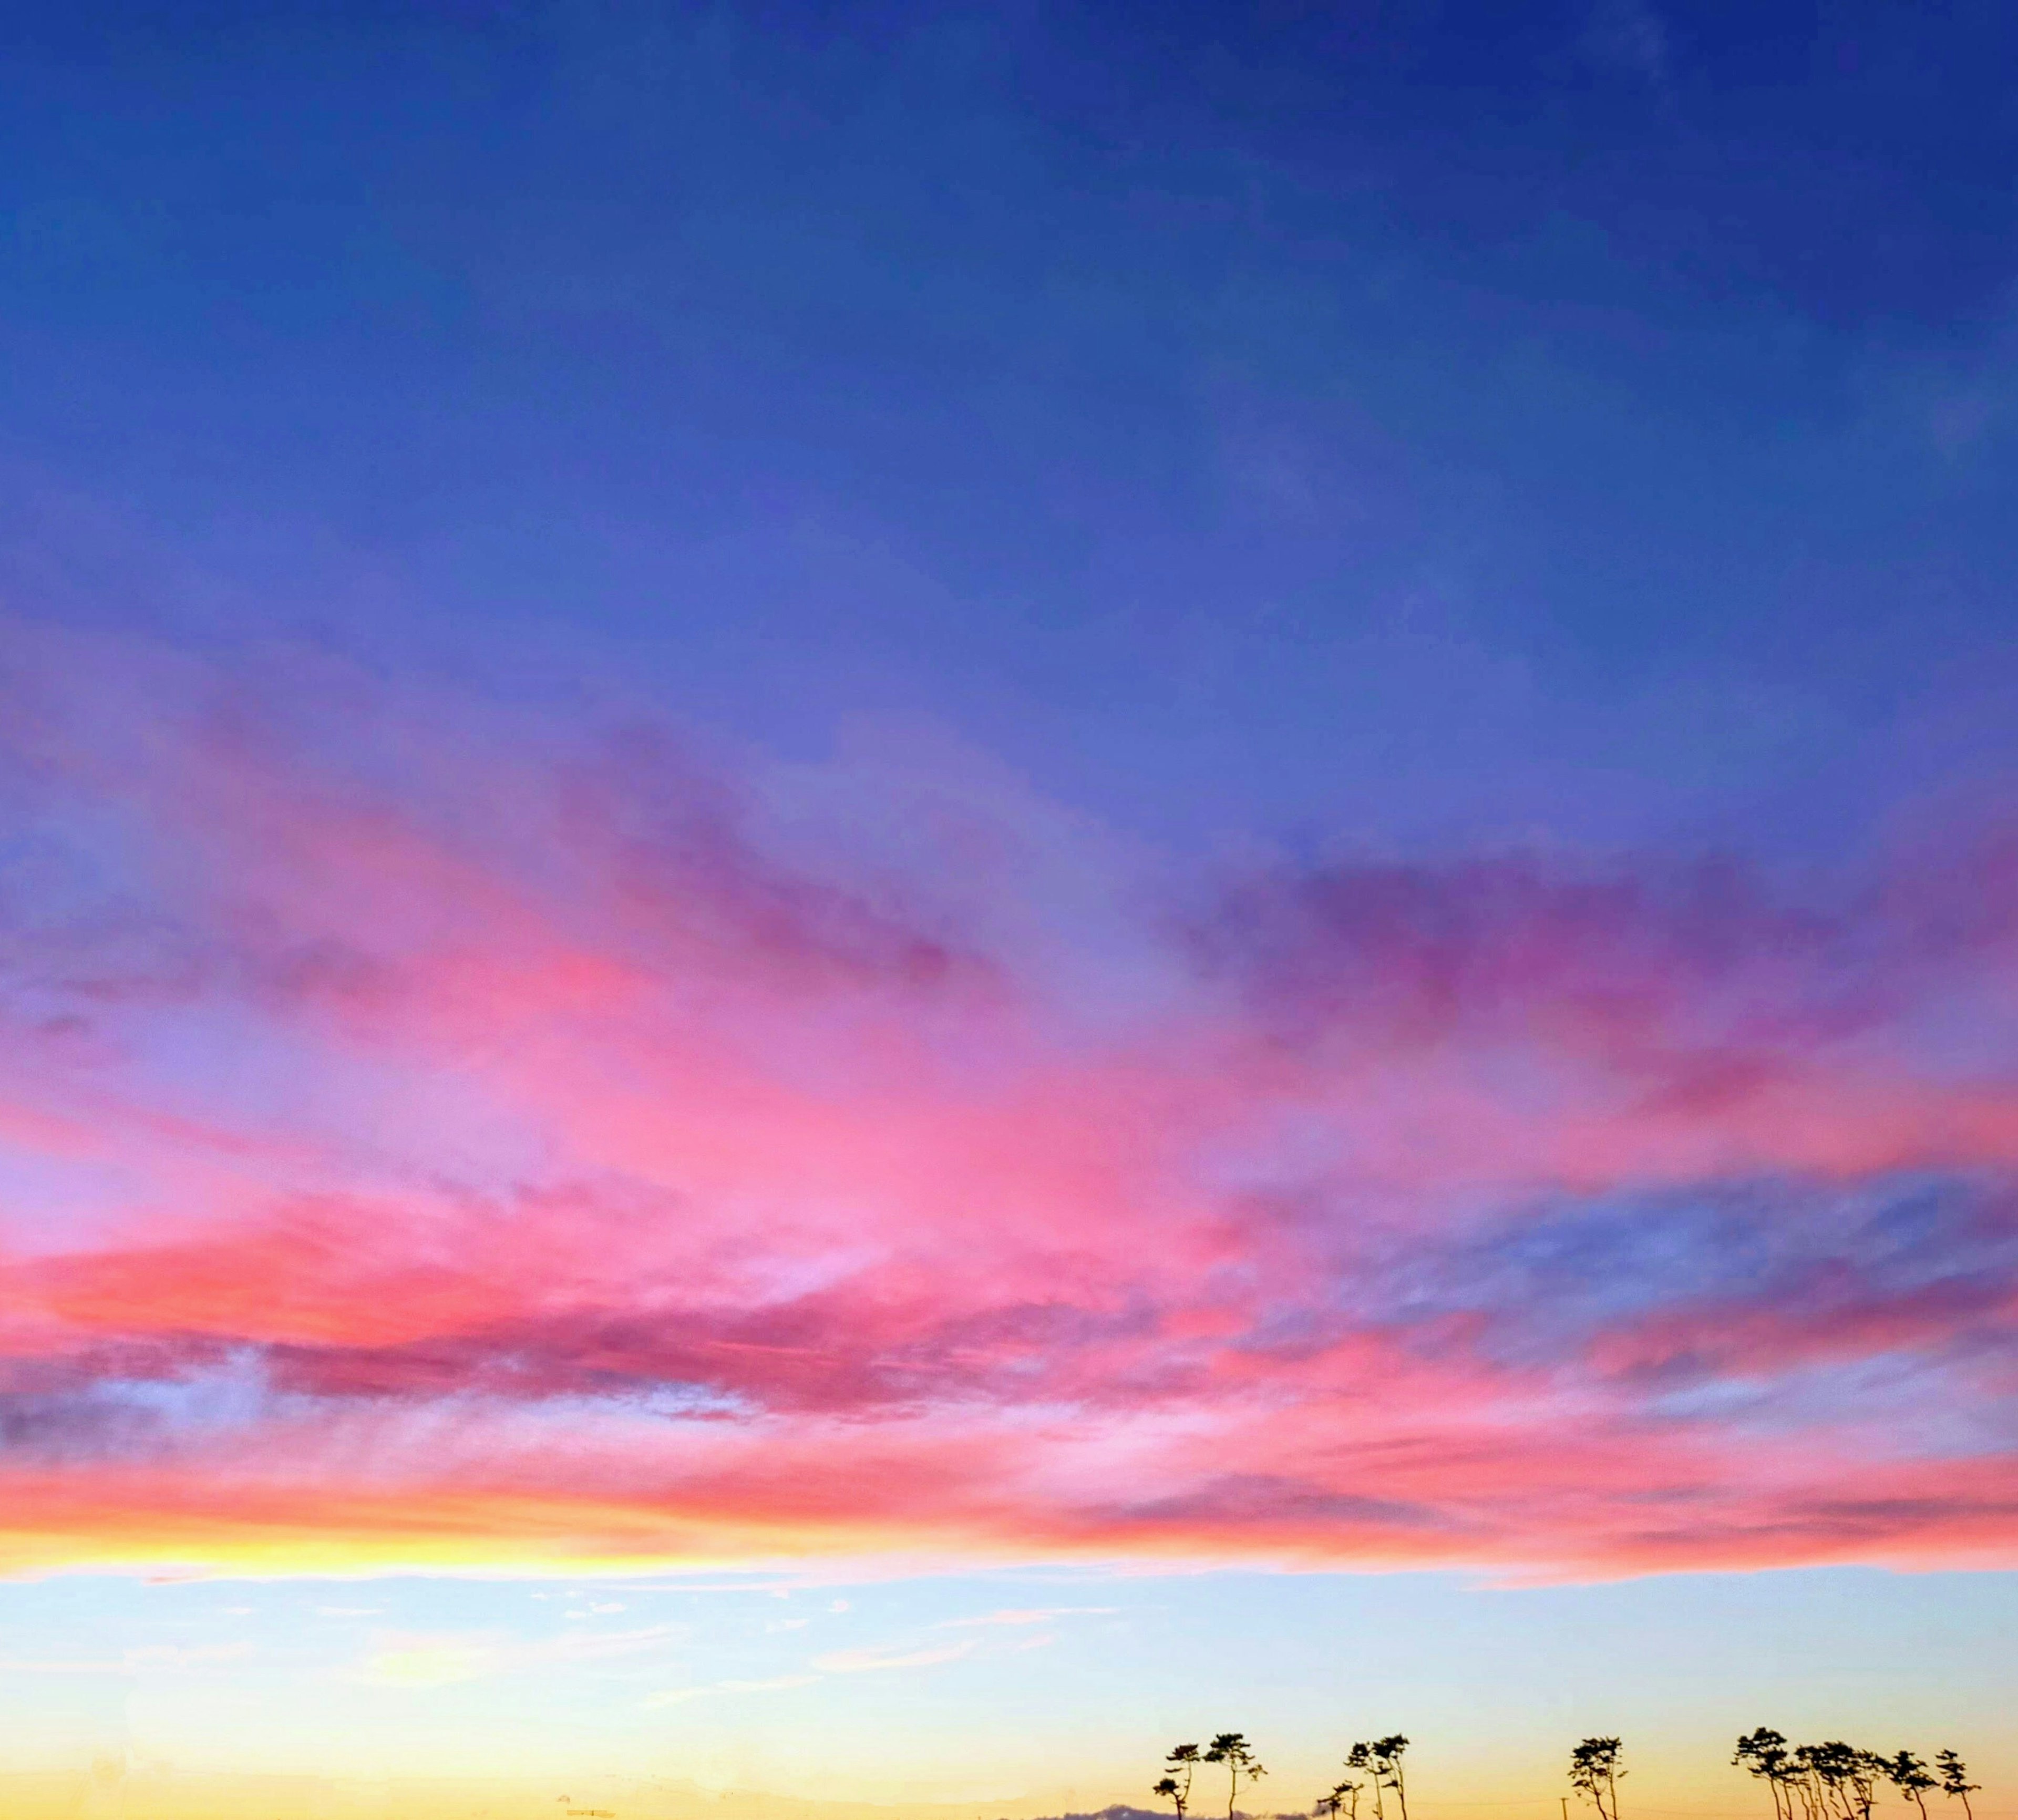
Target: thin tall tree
[1955,1780]
[1182,1763]
[1817,1780]
[1232,1749]
[1864,1771]
[1818,1763]
[1791,1780]
[1595,1774]
[1762,1753]
[1362,1756]
[1387,1754]
[1910,1777]
[1848,1781]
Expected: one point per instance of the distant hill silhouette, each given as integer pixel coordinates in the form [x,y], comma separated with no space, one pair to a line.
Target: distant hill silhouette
[1121,1810]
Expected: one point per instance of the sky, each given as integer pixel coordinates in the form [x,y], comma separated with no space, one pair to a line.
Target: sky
[892,897]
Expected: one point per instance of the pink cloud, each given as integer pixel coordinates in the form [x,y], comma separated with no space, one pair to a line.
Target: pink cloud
[436,1141]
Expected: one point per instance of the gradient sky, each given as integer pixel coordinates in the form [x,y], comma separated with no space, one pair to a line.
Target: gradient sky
[890,896]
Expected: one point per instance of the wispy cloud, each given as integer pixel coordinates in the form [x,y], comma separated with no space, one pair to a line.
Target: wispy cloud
[604,1169]
[150,1658]
[890,1656]
[427,1664]
[435,1660]
[777,1684]
[1041,1614]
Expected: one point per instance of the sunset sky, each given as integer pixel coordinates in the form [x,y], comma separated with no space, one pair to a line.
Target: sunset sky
[891,897]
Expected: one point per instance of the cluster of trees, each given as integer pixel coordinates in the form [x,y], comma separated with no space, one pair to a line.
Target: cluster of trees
[1808,1782]
[1230,1749]
[1837,1781]
[1594,1774]
[1375,1764]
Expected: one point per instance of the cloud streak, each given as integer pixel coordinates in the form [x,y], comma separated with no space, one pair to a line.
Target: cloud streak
[872,1661]
[433,1142]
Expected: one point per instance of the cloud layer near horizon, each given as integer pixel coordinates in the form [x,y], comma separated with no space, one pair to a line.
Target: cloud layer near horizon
[426,1140]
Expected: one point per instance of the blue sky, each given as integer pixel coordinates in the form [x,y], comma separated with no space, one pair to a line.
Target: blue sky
[1594,420]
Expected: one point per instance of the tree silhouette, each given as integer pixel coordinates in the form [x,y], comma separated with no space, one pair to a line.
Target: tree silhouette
[1365,1758]
[1763,1753]
[1176,1789]
[1387,1754]
[1955,1780]
[1594,1774]
[1909,1776]
[1864,1772]
[1231,1748]
[1802,1780]
[1845,1778]
[1834,1780]
[1821,1780]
